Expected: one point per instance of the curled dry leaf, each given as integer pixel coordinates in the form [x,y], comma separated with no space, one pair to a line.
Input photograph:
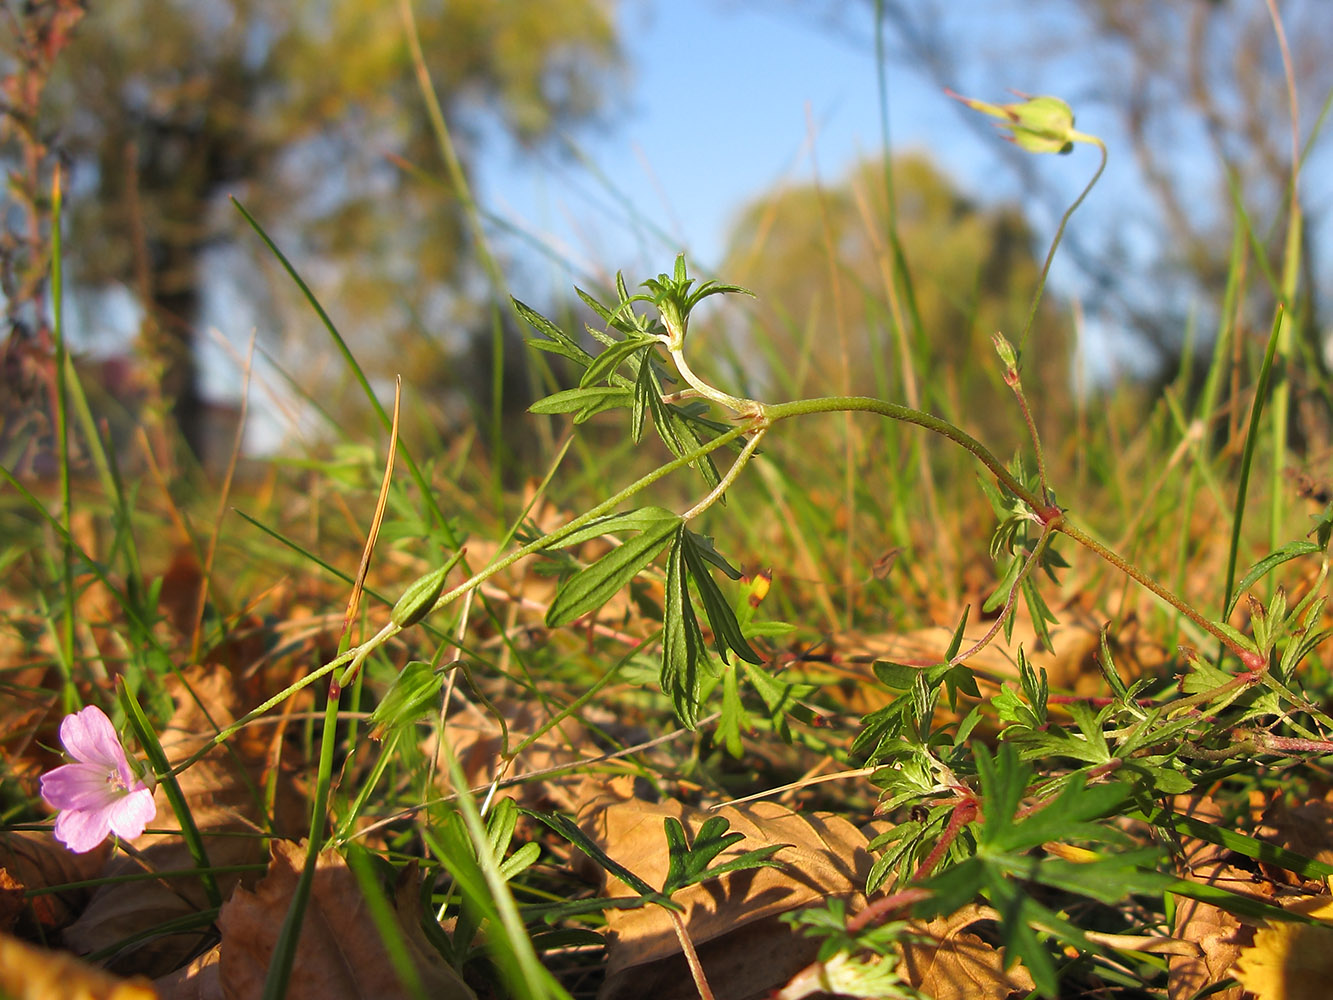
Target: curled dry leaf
[475,738]
[1218,934]
[946,963]
[32,861]
[224,793]
[1304,827]
[732,921]
[340,955]
[200,980]
[31,973]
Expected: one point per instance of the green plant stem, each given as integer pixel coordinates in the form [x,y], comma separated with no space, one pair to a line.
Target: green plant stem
[741,407]
[284,951]
[895,411]
[1247,454]
[1033,559]
[228,731]
[1143,579]
[62,442]
[157,757]
[1059,235]
[742,460]
[1015,382]
[1048,513]
[606,506]
[355,656]
[687,948]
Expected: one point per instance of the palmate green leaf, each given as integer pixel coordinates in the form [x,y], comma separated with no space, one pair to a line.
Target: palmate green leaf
[1240,843]
[1038,610]
[703,546]
[1017,716]
[688,863]
[781,698]
[878,729]
[1323,526]
[734,717]
[682,639]
[645,388]
[594,585]
[1004,779]
[1003,867]
[1106,662]
[956,640]
[1036,687]
[621,320]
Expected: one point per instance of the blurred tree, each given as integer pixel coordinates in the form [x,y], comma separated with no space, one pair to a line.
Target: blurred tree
[846,329]
[308,112]
[1195,90]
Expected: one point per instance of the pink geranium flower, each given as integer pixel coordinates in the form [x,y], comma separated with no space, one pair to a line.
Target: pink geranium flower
[100,794]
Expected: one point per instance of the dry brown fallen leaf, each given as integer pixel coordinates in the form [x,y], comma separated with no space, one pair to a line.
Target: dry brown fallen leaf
[34,860]
[938,959]
[475,738]
[1073,664]
[1304,827]
[954,965]
[733,921]
[200,980]
[340,955]
[31,973]
[1219,935]
[221,790]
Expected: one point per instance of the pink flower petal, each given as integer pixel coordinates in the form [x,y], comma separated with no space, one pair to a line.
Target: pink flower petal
[78,786]
[82,830]
[131,813]
[89,737]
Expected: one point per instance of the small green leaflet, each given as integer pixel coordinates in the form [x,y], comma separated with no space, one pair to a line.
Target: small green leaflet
[682,639]
[594,585]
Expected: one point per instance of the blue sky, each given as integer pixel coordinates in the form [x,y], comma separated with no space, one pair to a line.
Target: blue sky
[727,100]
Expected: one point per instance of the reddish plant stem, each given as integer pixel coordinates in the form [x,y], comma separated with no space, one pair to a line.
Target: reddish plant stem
[884,909]
[964,812]
[1252,660]
[691,956]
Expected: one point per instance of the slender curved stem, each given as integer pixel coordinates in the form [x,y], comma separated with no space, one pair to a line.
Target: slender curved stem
[742,460]
[1059,235]
[1251,660]
[895,411]
[1048,514]
[742,407]
[1043,540]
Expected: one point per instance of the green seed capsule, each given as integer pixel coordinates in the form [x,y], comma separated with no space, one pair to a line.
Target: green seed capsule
[421,594]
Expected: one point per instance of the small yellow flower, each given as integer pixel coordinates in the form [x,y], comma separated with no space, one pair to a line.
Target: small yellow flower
[1291,961]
